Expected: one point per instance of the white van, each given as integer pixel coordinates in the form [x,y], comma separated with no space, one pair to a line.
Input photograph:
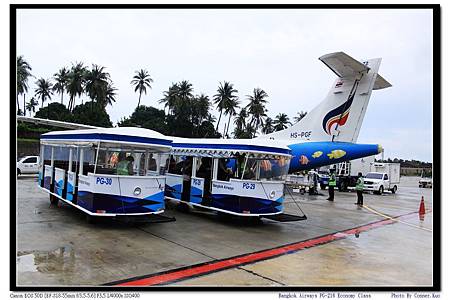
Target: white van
[383,177]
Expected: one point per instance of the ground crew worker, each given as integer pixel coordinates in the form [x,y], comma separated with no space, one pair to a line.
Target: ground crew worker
[313,189]
[331,185]
[359,189]
[125,165]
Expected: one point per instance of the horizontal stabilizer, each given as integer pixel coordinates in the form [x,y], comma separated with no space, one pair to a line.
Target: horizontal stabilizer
[343,65]
[381,83]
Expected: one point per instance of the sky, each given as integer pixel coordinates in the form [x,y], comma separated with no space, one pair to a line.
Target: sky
[276,50]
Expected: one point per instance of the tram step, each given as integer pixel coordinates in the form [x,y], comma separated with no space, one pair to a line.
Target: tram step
[286,218]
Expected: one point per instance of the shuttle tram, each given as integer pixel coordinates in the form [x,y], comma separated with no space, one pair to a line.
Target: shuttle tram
[237,177]
[107,172]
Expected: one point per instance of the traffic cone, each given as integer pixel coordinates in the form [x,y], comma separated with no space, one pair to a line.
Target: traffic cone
[422,210]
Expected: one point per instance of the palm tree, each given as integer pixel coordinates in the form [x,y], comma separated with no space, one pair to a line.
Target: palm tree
[178,97]
[31,106]
[230,106]
[267,127]
[202,107]
[199,112]
[300,115]
[75,83]
[23,73]
[240,119]
[96,85]
[281,121]
[43,90]
[224,93]
[256,108]
[141,81]
[110,95]
[170,97]
[185,90]
[61,78]
[245,132]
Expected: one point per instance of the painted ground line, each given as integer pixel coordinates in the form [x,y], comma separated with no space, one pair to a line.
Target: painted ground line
[192,271]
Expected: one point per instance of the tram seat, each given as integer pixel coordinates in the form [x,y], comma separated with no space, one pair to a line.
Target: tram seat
[87,168]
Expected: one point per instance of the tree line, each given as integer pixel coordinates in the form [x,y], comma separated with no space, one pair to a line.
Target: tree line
[405,163]
[185,113]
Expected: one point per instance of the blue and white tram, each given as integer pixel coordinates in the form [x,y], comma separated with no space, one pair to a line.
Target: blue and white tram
[107,171]
[237,177]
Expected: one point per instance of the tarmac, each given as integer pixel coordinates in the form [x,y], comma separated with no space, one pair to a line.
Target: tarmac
[340,244]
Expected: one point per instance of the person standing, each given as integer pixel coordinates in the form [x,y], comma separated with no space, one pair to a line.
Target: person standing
[331,185]
[359,189]
[313,190]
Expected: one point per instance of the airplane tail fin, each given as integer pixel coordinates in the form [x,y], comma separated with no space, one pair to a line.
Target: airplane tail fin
[339,116]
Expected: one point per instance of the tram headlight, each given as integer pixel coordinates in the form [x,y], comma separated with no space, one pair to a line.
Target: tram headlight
[137,191]
[272,194]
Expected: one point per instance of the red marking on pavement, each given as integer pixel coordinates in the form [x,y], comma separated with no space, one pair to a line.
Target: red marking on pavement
[219,265]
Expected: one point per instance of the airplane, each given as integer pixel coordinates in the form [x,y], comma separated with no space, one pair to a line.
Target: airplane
[327,135]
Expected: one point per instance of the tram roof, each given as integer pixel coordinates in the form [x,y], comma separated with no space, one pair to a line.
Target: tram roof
[227,147]
[116,135]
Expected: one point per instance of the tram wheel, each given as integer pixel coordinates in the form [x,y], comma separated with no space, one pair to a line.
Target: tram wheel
[255,220]
[91,219]
[182,207]
[223,216]
[53,200]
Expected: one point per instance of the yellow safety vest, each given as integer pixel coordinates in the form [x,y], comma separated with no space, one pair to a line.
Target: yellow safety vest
[360,184]
[122,167]
[332,181]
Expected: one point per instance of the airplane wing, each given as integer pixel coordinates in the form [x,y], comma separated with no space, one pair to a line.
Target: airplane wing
[54,123]
[343,65]
[381,83]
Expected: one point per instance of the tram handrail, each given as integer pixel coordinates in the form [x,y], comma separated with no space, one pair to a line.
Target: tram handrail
[256,181]
[127,176]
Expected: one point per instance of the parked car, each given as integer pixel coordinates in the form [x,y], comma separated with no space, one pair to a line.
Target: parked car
[426,182]
[28,165]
